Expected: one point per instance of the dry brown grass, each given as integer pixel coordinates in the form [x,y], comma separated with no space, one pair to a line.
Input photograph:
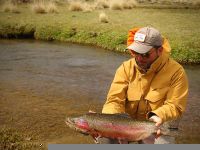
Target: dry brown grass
[10,7]
[170,1]
[38,7]
[51,8]
[76,6]
[81,6]
[87,7]
[128,4]
[103,17]
[101,4]
[116,5]
[196,3]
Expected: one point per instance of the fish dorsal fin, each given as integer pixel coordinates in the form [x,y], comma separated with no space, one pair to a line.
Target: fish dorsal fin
[124,115]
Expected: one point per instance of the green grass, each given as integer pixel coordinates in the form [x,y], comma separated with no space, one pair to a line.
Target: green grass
[180,26]
[10,139]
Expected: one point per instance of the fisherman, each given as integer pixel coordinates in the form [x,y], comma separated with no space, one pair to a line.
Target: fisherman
[151,85]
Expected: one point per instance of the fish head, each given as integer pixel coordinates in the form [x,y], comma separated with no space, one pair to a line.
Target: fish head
[78,124]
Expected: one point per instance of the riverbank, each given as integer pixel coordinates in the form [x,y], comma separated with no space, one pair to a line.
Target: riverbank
[180,26]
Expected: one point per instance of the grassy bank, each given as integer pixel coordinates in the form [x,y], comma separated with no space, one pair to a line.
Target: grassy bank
[180,26]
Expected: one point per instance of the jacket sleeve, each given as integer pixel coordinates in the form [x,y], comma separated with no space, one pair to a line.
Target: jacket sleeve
[116,97]
[176,100]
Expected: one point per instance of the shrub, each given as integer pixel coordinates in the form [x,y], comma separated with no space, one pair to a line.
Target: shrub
[116,5]
[75,6]
[103,17]
[87,7]
[101,4]
[51,7]
[10,7]
[38,7]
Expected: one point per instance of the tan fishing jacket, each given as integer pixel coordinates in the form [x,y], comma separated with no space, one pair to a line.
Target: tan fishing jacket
[162,90]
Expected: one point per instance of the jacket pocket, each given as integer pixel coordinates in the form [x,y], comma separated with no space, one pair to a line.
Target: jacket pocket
[133,93]
[156,97]
[133,98]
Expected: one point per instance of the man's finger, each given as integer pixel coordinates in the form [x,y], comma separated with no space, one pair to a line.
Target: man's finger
[90,111]
[158,124]
[158,133]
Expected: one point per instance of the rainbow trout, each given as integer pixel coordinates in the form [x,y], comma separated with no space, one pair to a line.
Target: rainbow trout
[113,126]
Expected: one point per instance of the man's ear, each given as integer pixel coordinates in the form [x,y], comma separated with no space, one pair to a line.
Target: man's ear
[160,50]
[130,51]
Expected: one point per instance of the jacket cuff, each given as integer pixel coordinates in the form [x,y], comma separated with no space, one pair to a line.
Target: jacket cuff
[150,114]
[159,114]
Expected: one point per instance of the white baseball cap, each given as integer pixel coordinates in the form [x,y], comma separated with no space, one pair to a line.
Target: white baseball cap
[145,39]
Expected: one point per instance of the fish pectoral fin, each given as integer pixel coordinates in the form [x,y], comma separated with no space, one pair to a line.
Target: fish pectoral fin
[95,135]
[149,140]
[122,141]
[96,138]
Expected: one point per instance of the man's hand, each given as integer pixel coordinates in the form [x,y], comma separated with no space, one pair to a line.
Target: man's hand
[156,119]
[158,122]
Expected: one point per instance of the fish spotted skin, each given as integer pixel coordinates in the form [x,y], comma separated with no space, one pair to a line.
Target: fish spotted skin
[114,126]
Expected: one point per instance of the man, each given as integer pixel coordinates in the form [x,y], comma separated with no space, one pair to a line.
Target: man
[151,85]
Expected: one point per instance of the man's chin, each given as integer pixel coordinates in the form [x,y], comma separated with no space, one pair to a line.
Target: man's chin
[143,66]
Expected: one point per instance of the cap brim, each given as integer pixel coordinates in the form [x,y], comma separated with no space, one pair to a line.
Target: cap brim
[139,47]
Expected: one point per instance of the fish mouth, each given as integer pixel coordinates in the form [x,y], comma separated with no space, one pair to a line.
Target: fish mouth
[69,121]
[72,124]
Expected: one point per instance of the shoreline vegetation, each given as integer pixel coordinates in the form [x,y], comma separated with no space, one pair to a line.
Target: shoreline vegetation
[104,23]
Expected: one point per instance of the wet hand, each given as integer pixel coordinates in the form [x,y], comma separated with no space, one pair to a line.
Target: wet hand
[156,119]
[158,122]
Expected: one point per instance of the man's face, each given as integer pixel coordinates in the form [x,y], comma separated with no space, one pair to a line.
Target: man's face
[144,61]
